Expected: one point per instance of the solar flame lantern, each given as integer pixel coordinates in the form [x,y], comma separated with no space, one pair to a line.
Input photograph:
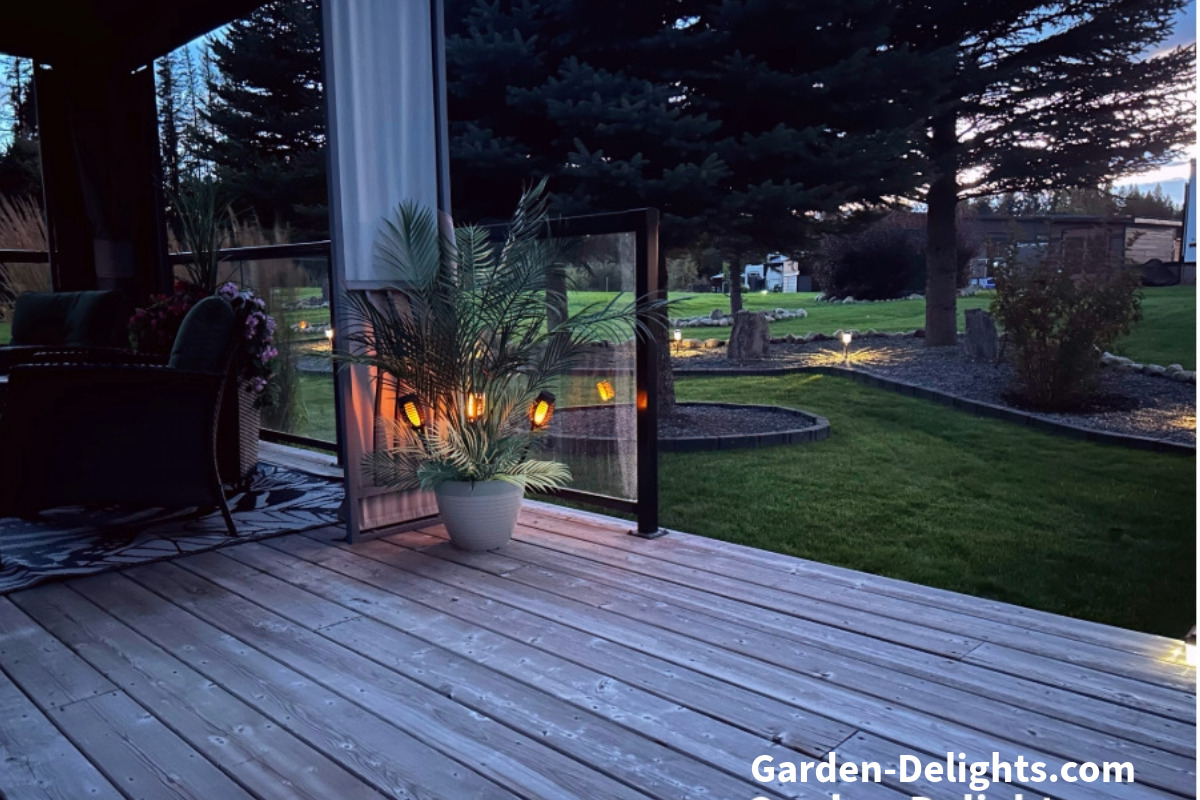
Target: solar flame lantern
[329,334]
[606,391]
[541,411]
[677,337]
[847,337]
[408,408]
[476,403]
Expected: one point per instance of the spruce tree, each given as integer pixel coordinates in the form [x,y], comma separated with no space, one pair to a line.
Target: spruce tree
[265,126]
[20,158]
[571,89]
[815,106]
[169,128]
[1041,97]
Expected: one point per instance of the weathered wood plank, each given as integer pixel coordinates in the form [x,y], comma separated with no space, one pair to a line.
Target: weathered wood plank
[382,755]
[1166,681]
[1168,771]
[1146,660]
[643,597]
[36,761]
[731,703]
[530,767]
[140,754]
[1165,770]
[133,749]
[719,552]
[652,718]
[32,657]
[920,731]
[265,758]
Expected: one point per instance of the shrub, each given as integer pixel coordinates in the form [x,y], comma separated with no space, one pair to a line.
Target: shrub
[1058,320]
[886,259]
[878,262]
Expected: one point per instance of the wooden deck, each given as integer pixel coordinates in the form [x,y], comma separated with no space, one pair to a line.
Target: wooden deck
[578,662]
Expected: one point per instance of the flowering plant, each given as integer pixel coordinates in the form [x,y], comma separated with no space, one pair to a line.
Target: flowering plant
[153,329]
[256,332]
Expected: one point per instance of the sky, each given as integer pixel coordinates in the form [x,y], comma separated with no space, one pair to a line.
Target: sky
[1173,177]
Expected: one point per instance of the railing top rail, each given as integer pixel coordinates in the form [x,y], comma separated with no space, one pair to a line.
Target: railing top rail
[15,256]
[264,252]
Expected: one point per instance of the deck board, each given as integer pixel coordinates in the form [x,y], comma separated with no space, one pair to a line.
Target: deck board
[576,662]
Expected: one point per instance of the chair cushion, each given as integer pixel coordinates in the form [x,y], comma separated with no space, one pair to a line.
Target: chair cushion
[77,319]
[94,319]
[204,338]
[41,317]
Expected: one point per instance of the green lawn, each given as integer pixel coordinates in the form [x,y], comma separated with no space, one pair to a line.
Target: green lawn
[920,492]
[1166,334]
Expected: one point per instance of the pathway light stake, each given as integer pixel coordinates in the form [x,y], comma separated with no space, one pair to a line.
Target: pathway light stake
[846,337]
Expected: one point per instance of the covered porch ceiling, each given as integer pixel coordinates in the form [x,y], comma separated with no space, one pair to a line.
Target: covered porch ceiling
[130,33]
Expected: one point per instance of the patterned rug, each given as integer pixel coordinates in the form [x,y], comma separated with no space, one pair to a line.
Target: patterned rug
[75,541]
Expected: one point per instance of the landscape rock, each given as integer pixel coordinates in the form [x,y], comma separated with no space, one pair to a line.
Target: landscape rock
[712,344]
[1157,370]
[790,338]
[849,301]
[982,340]
[717,314]
[750,338]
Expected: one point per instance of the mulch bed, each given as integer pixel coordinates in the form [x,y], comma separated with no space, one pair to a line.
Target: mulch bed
[1127,402]
[690,420]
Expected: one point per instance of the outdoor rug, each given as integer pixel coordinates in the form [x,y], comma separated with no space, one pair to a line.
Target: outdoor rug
[76,541]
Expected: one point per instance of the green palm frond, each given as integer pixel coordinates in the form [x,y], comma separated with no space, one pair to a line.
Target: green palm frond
[468,315]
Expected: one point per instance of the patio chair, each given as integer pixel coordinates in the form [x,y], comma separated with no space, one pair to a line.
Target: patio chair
[72,320]
[121,433]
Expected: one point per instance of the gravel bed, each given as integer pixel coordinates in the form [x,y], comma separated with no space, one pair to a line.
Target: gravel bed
[1129,402]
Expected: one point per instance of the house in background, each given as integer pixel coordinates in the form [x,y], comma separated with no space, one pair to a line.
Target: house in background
[778,274]
[1131,240]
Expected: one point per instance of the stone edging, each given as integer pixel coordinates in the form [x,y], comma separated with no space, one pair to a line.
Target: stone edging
[817,430]
[976,407]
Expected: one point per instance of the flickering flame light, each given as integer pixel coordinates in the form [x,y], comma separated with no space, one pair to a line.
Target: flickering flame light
[541,411]
[410,409]
[606,390]
[475,405]
[302,324]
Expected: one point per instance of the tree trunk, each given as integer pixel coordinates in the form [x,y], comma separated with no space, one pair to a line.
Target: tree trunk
[556,297]
[941,268]
[662,341]
[735,285]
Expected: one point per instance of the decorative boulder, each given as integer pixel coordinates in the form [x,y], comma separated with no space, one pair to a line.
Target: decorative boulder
[750,338]
[712,344]
[717,314]
[982,340]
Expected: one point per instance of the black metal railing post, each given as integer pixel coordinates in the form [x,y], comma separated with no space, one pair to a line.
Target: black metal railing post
[646,375]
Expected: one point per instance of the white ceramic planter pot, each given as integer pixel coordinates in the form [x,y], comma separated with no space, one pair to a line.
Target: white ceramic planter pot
[480,515]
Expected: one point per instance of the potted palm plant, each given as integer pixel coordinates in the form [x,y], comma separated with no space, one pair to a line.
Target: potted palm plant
[464,336]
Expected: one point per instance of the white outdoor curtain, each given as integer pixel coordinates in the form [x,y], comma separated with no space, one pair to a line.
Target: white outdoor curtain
[384,79]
